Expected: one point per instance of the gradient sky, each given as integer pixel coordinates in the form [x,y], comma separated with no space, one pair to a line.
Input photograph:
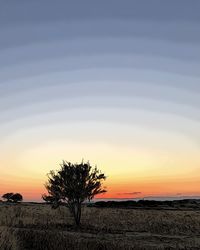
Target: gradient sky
[113,82]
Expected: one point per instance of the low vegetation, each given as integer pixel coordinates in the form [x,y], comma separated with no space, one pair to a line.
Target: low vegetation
[37,226]
[12,197]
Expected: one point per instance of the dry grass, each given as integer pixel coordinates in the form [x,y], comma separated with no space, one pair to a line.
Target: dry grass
[39,227]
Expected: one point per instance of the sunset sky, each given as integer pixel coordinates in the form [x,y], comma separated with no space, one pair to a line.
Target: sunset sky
[113,82]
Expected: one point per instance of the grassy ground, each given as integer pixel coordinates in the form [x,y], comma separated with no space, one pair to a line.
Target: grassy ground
[38,227]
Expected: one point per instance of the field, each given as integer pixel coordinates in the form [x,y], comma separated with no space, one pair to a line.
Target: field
[37,226]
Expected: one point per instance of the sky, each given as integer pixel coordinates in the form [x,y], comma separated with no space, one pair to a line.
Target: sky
[113,82]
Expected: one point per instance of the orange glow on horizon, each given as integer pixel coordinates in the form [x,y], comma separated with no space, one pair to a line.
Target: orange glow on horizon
[127,190]
[132,173]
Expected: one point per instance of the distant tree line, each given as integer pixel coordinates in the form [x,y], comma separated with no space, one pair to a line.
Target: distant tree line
[148,204]
[12,197]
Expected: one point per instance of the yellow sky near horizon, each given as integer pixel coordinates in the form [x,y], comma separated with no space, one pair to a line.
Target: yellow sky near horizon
[129,170]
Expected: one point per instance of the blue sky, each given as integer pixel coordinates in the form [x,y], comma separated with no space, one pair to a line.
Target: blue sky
[108,81]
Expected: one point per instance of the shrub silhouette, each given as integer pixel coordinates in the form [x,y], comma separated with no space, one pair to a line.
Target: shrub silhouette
[7,197]
[73,184]
[17,197]
[11,197]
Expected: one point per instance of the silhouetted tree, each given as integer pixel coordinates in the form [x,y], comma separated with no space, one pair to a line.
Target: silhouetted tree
[73,184]
[11,197]
[16,197]
[7,197]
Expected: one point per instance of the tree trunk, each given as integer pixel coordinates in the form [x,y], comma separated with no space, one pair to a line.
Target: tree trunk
[77,213]
[75,209]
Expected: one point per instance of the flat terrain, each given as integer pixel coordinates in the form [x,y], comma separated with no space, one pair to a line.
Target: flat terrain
[37,226]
